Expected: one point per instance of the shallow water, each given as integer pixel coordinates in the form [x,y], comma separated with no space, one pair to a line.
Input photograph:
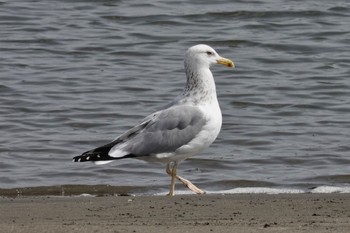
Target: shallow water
[75,75]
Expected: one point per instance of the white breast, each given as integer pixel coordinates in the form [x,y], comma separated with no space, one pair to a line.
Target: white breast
[206,136]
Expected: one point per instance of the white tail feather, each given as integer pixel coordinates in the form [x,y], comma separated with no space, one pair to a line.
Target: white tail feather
[102,162]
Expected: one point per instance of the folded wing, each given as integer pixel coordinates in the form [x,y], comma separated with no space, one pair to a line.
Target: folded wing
[161,132]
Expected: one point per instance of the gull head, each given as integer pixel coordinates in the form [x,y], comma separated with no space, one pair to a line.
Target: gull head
[204,56]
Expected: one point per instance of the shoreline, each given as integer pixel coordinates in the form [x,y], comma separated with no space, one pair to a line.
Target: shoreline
[70,190]
[181,213]
[110,190]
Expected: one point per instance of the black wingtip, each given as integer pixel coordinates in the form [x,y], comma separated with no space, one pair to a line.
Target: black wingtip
[86,156]
[76,159]
[93,157]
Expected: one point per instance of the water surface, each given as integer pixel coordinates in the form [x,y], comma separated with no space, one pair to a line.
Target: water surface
[75,75]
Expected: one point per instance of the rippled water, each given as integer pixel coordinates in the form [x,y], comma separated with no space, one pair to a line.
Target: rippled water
[75,74]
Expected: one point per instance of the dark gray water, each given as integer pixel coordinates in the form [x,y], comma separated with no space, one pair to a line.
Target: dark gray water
[76,74]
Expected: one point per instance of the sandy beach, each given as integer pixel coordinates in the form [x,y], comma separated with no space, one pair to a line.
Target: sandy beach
[182,213]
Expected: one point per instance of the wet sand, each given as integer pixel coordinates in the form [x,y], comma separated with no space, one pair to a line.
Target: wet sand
[183,213]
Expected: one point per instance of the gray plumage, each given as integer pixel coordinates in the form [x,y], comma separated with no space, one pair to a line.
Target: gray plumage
[164,131]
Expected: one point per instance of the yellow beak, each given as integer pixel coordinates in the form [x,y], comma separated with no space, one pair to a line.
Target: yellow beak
[226,62]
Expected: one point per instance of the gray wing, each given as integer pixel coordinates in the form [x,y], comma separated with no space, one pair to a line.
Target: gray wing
[161,132]
[164,131]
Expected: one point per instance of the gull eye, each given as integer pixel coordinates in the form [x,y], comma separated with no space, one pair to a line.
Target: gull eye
[209,53]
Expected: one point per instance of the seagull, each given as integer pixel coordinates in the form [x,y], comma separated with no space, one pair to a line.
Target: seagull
[181,129]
